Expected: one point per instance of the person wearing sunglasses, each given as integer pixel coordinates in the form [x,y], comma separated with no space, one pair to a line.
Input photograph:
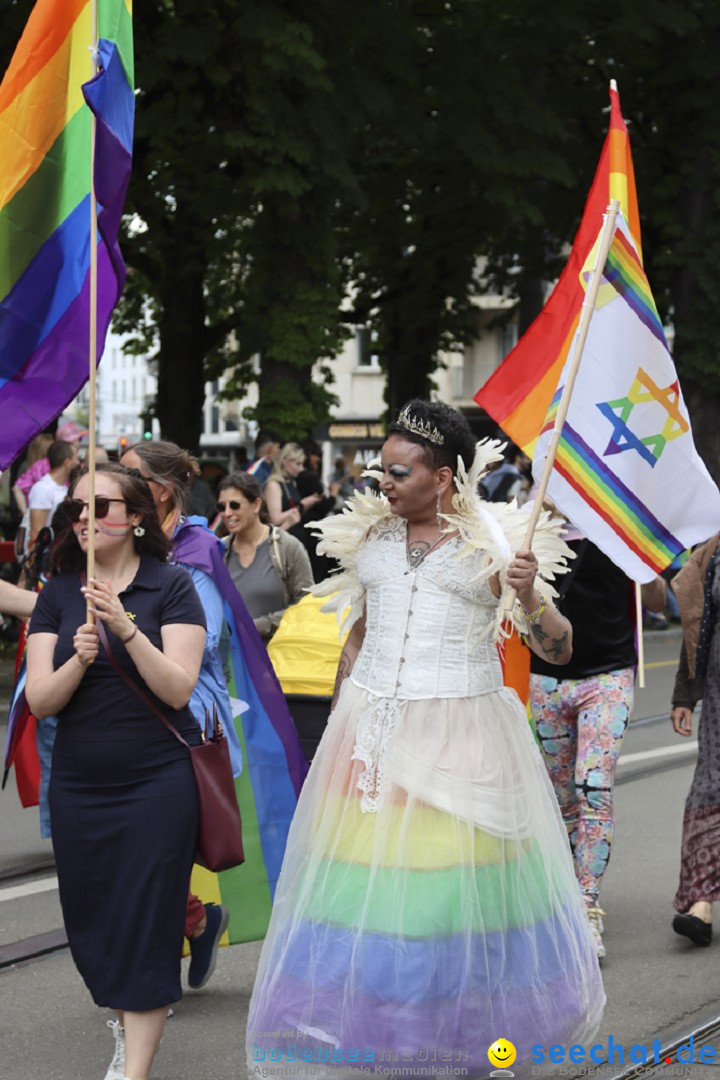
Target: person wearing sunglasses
[170,472]
[122,793]
[270,567]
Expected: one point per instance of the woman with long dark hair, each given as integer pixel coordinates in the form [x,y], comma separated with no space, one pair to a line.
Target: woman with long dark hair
[270,738]
[170,471]
[122,794]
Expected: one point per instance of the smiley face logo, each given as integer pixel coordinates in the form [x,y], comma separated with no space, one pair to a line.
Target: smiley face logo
[502,1053]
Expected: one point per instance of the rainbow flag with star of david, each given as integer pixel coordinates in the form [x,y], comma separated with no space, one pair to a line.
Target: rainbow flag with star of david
[627,473]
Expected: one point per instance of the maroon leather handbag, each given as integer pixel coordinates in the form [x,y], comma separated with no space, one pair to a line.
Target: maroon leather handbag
[220,845]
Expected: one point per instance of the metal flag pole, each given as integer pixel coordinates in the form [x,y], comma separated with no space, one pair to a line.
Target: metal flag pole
[588,309]
[92,352]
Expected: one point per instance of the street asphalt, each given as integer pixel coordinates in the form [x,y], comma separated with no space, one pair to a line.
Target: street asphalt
[656,983]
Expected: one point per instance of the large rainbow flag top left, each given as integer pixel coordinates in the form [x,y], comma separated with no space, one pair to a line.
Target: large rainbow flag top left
[47,96]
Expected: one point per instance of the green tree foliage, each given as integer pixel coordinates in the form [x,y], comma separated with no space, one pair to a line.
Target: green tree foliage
[247,117]
[452,179]
[289,155]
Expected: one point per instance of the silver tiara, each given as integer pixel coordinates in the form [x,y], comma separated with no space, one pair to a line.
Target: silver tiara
[420,427]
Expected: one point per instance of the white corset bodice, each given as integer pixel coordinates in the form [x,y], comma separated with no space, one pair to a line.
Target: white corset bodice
[428,630]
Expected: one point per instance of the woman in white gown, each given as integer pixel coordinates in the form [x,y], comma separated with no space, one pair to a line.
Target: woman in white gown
[427,904]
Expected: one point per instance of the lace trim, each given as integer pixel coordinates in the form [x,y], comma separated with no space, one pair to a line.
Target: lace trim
[374,733]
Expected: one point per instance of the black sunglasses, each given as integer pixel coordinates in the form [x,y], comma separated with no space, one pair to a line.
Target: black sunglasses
[221,507]
[74,507]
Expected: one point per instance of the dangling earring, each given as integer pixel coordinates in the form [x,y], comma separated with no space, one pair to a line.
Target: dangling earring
[438,509]
[139,531]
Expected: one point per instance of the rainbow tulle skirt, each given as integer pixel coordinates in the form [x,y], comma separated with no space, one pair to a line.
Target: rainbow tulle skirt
[427,905]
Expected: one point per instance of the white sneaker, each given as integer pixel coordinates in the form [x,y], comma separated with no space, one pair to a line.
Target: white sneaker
[116,1068]
[594,917]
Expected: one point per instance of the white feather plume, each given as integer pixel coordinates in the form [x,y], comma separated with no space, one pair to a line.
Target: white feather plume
[498,530]
[341,537]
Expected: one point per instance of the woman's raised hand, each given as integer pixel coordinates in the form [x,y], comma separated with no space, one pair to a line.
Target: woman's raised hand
[86,643]
[106,606]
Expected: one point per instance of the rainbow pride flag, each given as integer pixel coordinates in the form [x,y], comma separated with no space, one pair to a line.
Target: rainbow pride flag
[519,393]
[274,764]
[627,473]
[46,99]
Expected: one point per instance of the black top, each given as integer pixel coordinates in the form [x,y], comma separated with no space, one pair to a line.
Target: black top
[159,595]
[309,483]
[598,603]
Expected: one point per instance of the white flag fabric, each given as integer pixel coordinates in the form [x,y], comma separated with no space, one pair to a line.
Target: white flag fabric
[627,473]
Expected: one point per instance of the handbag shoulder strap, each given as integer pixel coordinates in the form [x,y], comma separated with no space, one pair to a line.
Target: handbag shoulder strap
[145,698]
[281,565]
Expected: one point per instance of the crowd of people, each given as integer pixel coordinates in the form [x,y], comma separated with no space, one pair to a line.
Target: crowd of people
[442,874]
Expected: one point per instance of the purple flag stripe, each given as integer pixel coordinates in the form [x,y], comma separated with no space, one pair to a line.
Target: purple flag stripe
[58,369]
[45,291]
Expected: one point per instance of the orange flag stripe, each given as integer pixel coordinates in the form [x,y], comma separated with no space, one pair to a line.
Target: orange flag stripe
[50,28]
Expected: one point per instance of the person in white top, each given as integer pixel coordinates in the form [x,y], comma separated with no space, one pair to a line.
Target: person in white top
[51,489]
[427,897]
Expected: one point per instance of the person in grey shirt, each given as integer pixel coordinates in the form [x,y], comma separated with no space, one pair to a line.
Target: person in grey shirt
[270,568]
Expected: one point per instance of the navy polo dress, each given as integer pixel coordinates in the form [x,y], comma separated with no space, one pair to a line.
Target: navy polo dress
[123,802]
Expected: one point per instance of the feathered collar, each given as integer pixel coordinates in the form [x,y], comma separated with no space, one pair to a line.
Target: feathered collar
[495,529]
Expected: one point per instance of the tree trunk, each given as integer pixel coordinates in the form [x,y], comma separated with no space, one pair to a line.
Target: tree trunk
[284,389]
[408,376]
[530,303]
[408,350]
[181,367]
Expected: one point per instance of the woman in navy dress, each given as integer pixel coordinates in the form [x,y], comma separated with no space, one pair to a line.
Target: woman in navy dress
[122,794]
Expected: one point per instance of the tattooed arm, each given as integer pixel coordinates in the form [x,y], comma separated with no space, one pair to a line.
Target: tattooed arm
[551,636]
[551,633]
[348,656]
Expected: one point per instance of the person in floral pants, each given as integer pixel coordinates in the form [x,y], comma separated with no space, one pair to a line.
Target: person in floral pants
[581,717]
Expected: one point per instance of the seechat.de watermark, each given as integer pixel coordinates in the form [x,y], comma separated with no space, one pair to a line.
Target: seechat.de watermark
[616,1053]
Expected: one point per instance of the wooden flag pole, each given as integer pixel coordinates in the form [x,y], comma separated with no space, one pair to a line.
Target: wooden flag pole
[92,353]
[640,639]
[588,308]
